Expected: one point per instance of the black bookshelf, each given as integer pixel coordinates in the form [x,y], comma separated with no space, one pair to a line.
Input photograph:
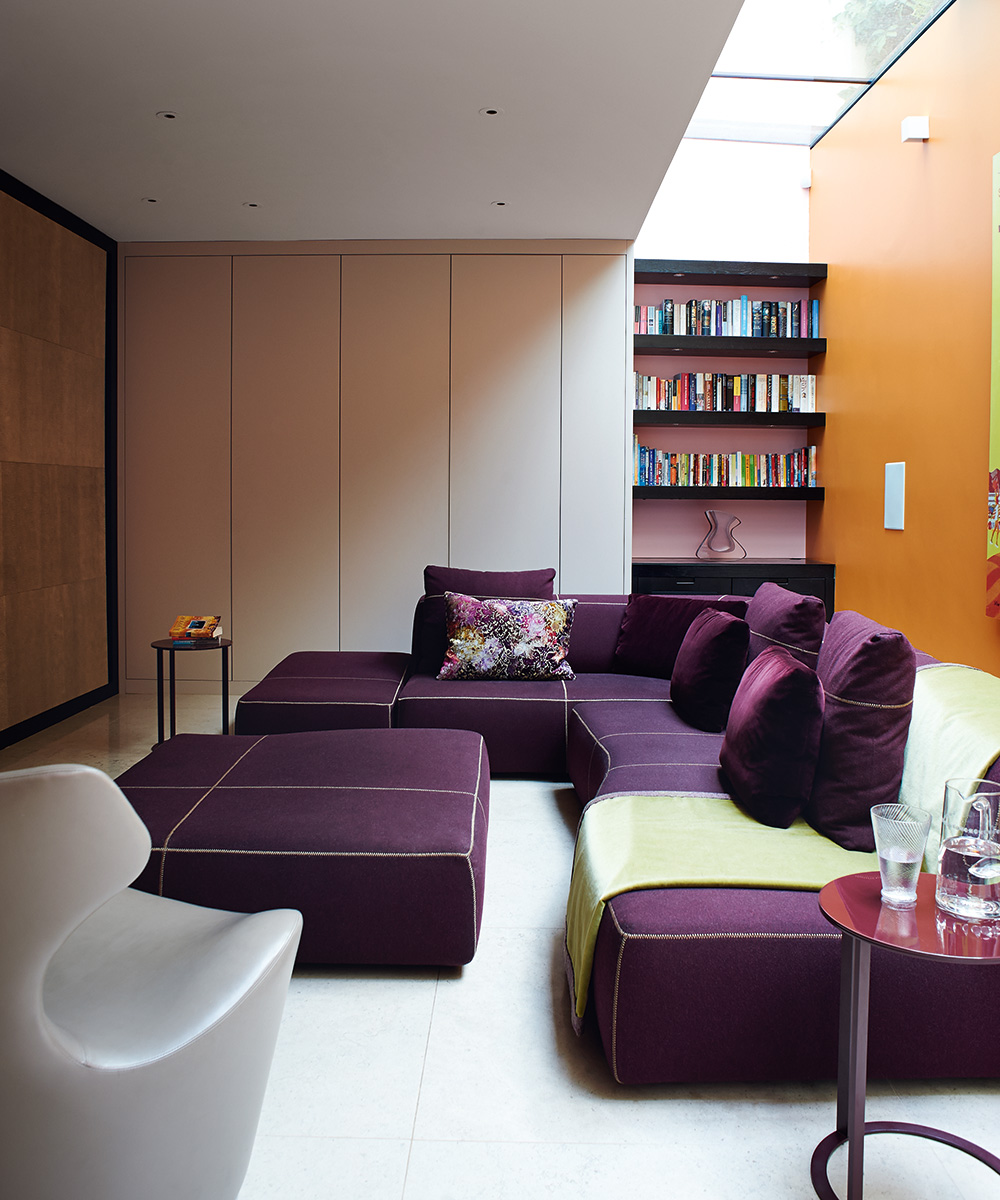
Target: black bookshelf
[758,420]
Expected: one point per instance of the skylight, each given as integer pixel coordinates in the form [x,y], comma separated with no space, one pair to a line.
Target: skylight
[792,68]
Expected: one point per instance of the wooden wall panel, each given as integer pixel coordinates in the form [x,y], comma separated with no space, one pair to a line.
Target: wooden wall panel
[505,439]
[53,403]
[177,452]
[594,426]
[286,323]
[52,522]
[52,285]
[394,449]
[56,645]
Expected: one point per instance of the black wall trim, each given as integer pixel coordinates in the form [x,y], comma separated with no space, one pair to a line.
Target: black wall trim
[55,212]
[60,216]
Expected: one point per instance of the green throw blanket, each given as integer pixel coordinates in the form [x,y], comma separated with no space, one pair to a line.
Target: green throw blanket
[630,842]
[954,733]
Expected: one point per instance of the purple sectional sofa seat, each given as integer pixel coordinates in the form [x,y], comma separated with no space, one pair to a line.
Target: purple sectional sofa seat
[377,836]
[690,984]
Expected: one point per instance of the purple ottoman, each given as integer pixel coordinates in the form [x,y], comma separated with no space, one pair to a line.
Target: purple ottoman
[324,689]
[377,836]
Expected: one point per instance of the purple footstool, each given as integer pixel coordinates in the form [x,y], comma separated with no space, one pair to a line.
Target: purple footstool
[377,836]
[324,689]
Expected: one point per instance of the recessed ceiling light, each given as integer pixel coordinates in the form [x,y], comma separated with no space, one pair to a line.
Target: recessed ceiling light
[149,200]
[166,115]
[498,204]
[492,111]
[250,204]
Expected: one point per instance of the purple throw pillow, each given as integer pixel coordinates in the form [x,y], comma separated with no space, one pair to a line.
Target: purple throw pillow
[779,617]
[769,753]
[429,638]
[708,669]
[535,585]
[653,628]
[507,639]
[867,672]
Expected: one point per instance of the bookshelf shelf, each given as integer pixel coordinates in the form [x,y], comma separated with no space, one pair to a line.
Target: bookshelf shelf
[683,492]
[728,274]
[728,347]
[755,420]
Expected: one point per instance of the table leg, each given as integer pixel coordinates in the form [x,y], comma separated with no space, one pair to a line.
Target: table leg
[856,963]
[225,689]
[159,695]
[173,695]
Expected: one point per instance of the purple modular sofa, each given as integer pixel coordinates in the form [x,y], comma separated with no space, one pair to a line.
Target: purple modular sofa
[708,983]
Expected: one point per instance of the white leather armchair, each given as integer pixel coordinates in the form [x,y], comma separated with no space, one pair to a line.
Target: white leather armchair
[136,1032]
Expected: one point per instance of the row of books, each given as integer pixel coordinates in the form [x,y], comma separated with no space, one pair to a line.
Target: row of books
[196,631]
[707,391]
[670,468]
[741,317]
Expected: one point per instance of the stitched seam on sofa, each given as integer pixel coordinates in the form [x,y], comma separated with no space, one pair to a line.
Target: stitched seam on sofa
[866,703]
[335,678]
[787,645]
[493,699]
[596,742]
[472,880]
[476,800]
[691,937]
[656,733]
[614,1003]
[395,695]
[165,850]
[683,793]
[670,763]
[322,703]
[303,787]
[565,717]
[163,860]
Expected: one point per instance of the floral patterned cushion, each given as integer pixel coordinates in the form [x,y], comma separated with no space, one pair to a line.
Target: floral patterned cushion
[507,639]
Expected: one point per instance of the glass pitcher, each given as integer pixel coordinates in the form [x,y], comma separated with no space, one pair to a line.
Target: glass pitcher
[968,880]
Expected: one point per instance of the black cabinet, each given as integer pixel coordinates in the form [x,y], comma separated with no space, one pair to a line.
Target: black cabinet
[739,577]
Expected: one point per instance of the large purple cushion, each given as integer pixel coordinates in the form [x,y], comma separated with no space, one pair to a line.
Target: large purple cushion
[693,985]
[324,689]
[429,637]
[377,836]
[769,753]
[867,672]
[778,617]
[708,669]
[532,584]
[642,746]
[653,628]
[523,724]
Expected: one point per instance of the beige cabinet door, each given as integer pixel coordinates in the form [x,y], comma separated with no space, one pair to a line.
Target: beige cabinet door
[394,447]
[285,414]
[505,411]
[177,453]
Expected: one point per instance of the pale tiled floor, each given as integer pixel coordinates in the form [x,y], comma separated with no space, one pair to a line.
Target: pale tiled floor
[393,1084]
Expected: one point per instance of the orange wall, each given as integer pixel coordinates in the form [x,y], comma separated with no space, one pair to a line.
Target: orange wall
[905,229]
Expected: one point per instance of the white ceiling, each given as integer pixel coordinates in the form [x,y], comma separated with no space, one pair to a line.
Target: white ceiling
[353,118]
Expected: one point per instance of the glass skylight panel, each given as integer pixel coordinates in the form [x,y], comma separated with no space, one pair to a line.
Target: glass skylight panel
[764,110]
[790,68]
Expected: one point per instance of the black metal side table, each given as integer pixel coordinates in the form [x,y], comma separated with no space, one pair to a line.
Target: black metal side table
[854,904]
[166,645]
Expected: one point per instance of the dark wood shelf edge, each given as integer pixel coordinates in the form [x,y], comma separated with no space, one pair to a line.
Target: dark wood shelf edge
[757,274]
[779,420]
[728,347]
[643,492]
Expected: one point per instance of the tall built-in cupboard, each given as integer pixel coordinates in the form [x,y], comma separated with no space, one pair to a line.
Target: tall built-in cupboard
[306,428]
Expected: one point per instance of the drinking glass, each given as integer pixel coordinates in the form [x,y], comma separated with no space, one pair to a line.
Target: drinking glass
[900,837]
[968,882]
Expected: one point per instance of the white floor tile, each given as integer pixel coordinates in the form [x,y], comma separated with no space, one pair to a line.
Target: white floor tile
[304,1168]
